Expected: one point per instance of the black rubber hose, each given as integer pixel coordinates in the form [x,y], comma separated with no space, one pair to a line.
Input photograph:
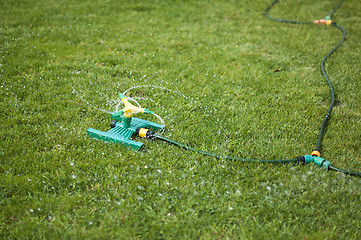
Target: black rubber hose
[335,8]
[282,20]
[353,173]
[328,114]
[220,156]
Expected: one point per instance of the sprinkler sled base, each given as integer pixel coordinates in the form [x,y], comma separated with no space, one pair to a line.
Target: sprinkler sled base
[119,134]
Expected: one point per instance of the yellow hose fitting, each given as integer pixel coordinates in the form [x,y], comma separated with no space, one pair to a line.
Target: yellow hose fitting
[316,152]
[323,22]
[143,132]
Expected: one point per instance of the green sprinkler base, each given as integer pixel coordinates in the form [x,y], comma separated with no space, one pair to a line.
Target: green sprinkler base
[119,134]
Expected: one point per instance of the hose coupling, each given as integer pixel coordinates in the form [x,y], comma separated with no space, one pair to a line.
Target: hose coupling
[145,133]
[321,162]
[326,21]
[316,152]
[305,159]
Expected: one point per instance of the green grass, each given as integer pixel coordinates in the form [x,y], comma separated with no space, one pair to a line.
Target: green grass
[215,62]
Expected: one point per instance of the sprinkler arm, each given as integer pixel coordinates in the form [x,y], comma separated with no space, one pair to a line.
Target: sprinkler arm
[129,109]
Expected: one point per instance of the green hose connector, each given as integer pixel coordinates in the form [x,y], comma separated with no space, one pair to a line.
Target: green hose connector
[305,159]
[321,162]
[316,160]
[308,158]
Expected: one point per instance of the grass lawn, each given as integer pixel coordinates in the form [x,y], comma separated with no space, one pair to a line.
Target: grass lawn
[224,78]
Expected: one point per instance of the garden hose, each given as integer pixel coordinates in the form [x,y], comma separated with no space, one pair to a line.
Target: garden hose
[146,133]
[326,21]
[282,20]
[315,156]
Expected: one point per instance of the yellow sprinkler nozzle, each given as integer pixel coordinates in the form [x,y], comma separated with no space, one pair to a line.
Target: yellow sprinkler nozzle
[323,22]
[129,109]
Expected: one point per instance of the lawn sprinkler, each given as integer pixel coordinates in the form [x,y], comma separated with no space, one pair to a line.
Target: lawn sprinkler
[124,126]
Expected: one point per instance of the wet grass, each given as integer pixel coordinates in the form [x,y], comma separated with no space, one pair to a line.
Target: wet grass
[211,70]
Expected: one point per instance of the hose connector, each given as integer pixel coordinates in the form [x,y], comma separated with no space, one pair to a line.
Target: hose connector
[305,159]
[327,21]
[316,152]
[321,162]
[145,133]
